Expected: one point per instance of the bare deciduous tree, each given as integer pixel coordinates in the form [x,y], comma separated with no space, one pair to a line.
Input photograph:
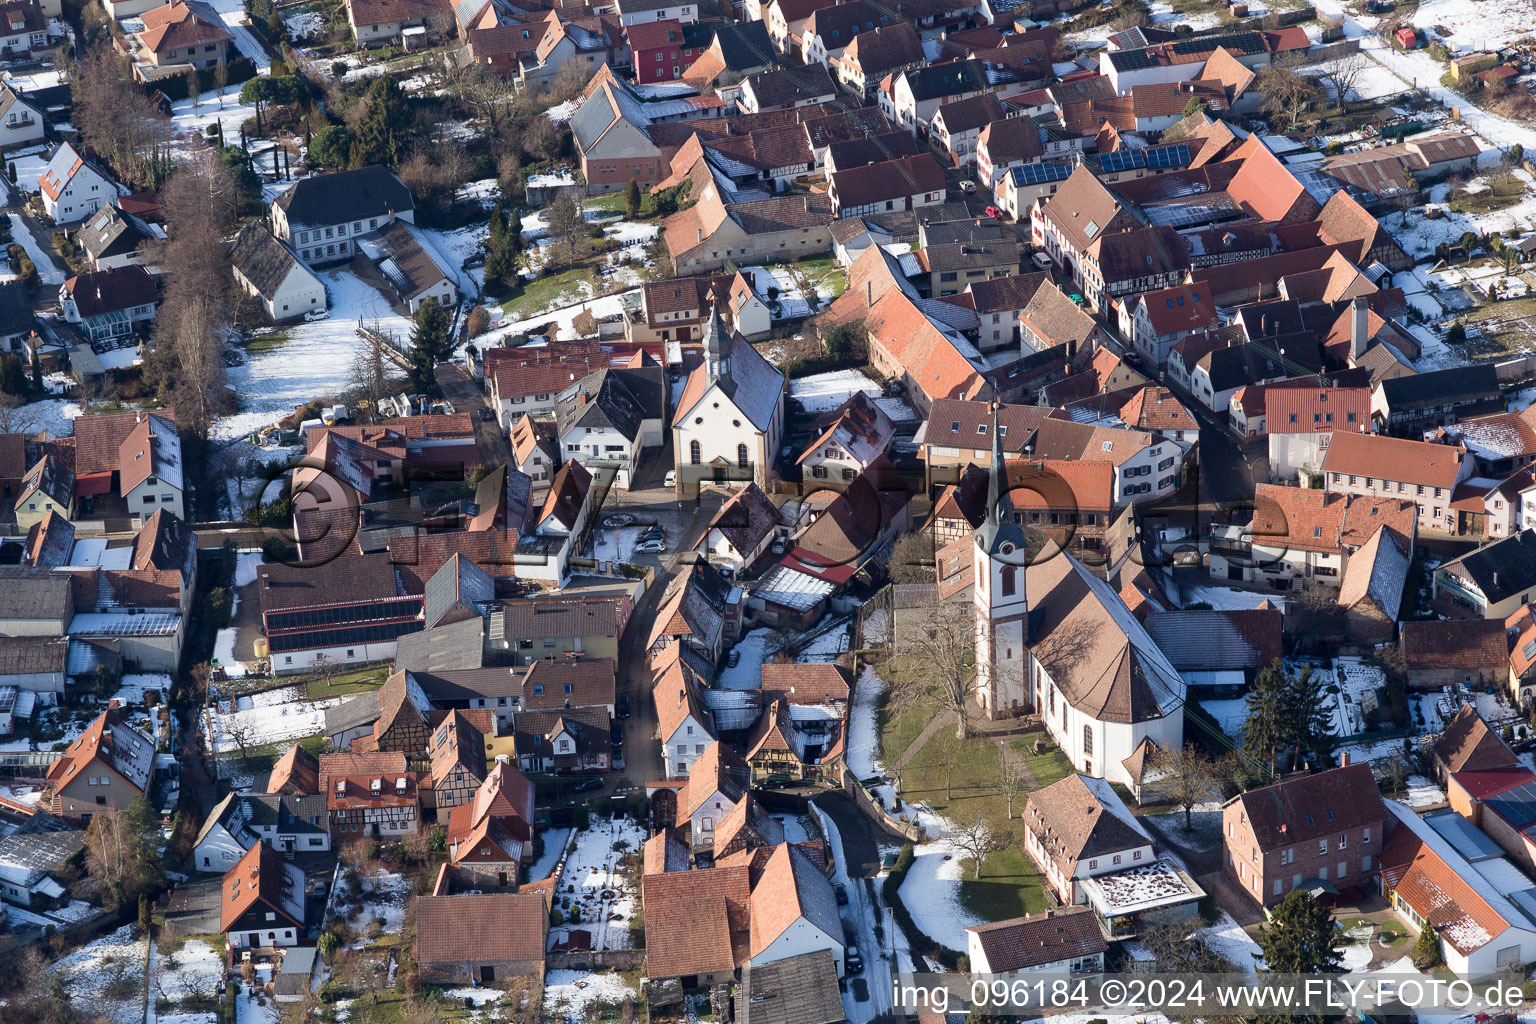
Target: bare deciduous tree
[1188,776]
[1287,93]
[199,203]
[976,836]
[16,417]
[1342,74]
[936,662]
[1011,780]
[115,118]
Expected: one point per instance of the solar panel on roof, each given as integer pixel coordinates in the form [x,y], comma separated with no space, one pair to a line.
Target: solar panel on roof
[1038,174]
[1122,160]
[1167,156]
[1131,60]
[1517,806]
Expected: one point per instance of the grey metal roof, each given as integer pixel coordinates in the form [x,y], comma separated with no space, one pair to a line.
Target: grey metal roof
[15,309]
[352,714]
[372,191]
[1469,840]
[457,581]
[111,232]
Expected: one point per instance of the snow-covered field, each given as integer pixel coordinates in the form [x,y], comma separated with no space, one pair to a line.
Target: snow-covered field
[931,893]
[30,164]
[108,975]
[131,687]
[573,995]
[1485,25]
[316,359]
[189,124]
[304,23]
[594,883]
[274,716]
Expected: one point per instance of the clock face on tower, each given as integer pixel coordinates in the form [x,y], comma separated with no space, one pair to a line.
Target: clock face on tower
[1007,549]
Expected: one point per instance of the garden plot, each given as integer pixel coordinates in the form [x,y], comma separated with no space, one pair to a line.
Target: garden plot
[575,996]
[108,975]
[192,972]
[270,717]
[1418,235]
[305,23]
[1374,83]
[560,317]
[1423,793]
[189,123]
[595,893]
[314,360]
[74,724]
[383,898]
[1358,684]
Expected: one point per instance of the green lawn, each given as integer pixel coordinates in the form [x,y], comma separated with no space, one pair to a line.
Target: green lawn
[551,292]
[614,202]
[344,683]
[1048,766]
[1009,885]
[266,342]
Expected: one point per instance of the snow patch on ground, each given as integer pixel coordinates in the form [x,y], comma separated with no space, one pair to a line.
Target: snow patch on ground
[273,716]
[931,893]
[863,730]
[108,975]
[752,650]
[1227,938]
[573,995]
[554,846]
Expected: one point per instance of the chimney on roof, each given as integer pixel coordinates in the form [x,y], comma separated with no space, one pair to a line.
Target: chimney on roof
[1359,327]
[1344,759]
[700,233]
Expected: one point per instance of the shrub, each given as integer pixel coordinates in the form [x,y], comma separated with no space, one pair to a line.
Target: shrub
[556,917]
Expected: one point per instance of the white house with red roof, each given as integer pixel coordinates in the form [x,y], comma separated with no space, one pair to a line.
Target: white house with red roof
[72,187]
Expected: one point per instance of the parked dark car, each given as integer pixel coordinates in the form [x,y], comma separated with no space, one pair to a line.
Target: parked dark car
[616,734]
[588,784]
[622,705]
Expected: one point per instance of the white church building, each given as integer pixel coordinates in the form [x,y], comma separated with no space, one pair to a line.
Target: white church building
[730,416]
[1056,639]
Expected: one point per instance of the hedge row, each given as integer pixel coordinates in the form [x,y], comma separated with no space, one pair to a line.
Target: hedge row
[917,939]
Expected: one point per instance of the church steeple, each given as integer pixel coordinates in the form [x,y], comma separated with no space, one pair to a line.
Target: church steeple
[998,561]
[999,529]
[717,345]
